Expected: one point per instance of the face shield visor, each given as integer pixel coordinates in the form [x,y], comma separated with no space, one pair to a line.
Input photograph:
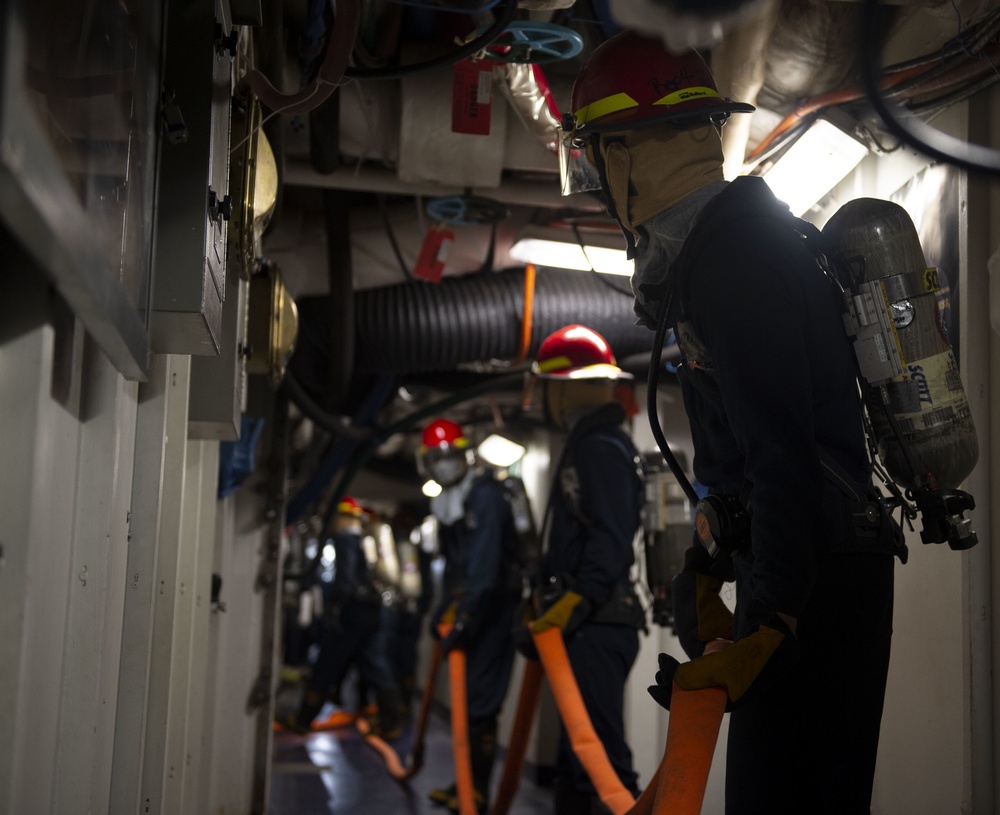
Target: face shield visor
[576,173]
[446,464]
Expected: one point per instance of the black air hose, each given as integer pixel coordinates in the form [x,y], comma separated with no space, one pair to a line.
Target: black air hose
[420,327]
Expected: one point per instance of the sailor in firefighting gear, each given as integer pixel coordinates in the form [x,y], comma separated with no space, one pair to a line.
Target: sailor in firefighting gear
[375,665]
[593,518]
[417,590]
[481,587]
[769,387]
[350,619]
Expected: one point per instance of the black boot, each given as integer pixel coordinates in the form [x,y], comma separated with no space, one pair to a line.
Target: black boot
[386,724]
[482,750]
[407,688]
[567,800]
[443,796]
[300,721]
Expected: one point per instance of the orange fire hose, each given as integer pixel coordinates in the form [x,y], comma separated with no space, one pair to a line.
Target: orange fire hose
[645,803]
[676,788]
[460,728]
[416,758]
[423,717]
[679,784]
[692,732]
[513,767]
[336,720]
[529,312]
[586,745]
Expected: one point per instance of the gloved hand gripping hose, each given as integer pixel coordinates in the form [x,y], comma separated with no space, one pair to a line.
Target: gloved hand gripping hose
[751,662]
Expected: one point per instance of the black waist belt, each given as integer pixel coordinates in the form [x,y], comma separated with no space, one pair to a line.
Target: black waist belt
[622,608]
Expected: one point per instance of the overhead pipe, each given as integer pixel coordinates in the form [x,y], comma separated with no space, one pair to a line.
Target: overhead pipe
[528,192]
[337,209]
[331,72]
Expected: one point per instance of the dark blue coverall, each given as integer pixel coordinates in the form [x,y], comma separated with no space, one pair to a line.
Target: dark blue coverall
[590,550]
[482,579]
[350,615]
[409,627]
[785,398]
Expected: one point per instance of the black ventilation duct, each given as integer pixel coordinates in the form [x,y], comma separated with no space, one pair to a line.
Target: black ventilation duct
[425,328]
[419,327]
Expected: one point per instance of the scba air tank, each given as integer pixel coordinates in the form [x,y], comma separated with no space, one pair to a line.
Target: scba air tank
[667,532]
[934,442]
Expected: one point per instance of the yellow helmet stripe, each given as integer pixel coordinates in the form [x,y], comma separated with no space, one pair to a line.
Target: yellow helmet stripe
[697,92]
[604,107]
[461,443]
[554,364]
[622,101]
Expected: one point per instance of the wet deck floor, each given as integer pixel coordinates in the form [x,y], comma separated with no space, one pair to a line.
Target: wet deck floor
[336,771]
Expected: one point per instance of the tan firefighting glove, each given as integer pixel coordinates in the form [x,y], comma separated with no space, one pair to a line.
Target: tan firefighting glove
[750,663]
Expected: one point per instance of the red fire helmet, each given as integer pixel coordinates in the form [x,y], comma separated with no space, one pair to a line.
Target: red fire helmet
[631,80]
[349,506]
[577,352]
[443,432]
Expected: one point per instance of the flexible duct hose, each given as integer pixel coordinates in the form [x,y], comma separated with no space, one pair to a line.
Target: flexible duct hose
[418,327]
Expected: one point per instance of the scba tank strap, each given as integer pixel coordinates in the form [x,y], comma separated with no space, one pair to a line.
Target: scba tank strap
[725,528]
[871,528]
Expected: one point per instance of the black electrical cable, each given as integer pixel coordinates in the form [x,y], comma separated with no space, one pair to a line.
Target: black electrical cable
[339,426]
[965,45]
[600,276]
[949,99]
[381,434]
[919,83]
[392,239]
[903,124]
[786,139]
[915,82]
[445,60]
[652,381]
[490,258]
[954,46]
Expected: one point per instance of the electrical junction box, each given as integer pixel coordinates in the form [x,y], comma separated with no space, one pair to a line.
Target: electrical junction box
[218,383]
[193,202]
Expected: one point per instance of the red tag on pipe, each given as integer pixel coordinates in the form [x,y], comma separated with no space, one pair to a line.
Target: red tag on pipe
[434,253]
[471,97]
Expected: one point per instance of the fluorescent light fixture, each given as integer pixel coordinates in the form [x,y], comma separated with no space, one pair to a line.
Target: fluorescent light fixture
[431,488]
[560,249]
[813,165]
[500,451]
